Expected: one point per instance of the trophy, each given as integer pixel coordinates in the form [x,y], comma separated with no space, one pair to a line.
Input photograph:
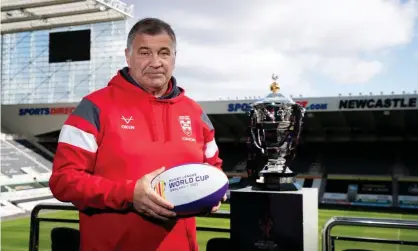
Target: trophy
[275,124]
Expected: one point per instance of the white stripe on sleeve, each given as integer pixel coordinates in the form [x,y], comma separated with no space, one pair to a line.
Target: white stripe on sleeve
[211,149]
[77,137]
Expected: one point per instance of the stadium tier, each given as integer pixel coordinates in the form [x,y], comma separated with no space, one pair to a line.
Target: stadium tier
[39,63]
[355,151]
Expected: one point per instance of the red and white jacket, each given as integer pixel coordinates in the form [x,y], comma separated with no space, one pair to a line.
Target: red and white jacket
[115,136]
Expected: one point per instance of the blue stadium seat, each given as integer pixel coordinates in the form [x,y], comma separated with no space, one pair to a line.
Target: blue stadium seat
[65,239]
[219,244]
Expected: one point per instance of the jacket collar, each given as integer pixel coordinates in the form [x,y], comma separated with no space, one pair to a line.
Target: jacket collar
[173,92]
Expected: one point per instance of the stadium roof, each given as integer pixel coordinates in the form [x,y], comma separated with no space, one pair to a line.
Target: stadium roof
[29,15]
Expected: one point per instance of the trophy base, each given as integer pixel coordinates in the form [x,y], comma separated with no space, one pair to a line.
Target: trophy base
[274,220]
[273,181]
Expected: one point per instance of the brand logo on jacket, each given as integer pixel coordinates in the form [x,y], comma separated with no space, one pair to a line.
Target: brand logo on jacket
[186,126]
[127,120]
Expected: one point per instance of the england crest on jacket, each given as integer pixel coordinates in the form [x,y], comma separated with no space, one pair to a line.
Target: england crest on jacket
[186,126]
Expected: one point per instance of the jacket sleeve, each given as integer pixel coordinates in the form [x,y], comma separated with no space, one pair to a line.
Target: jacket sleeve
[211,151]
[72,179]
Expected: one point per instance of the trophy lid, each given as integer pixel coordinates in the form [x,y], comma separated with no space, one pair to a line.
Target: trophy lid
[275,97]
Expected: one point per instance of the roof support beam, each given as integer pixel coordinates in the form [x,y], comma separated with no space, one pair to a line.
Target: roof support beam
[60,22]
[19,4]
[31,15]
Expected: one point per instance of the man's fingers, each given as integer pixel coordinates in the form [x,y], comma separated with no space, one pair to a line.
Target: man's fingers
[214,209]
[157,199]
[152,214]
[147,211]
[224,198]
[159,210]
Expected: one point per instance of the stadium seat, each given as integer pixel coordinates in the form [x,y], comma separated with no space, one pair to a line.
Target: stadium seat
[219,244]
[65,239]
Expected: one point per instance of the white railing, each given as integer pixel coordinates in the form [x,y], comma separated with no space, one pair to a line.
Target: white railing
[26,194]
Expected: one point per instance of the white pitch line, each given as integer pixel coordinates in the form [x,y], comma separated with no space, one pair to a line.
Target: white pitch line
[399,234]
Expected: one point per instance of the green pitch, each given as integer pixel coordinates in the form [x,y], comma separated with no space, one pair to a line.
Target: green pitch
[15,233]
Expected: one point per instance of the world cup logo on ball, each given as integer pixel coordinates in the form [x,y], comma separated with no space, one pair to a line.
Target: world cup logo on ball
[160,189]
[275,125]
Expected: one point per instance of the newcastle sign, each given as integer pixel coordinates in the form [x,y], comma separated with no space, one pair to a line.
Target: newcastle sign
[378,103]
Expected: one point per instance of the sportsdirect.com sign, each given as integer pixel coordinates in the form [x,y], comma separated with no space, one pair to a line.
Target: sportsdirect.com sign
[45,111]
[239,107]
[245,107]
[313,106]
[386,103]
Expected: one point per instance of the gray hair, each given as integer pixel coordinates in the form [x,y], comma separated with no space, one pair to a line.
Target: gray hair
[150,26]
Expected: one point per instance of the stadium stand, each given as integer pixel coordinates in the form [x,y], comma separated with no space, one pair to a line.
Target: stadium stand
[357,158]
[408,158]
[49,140]
[21,157]
[25,171]
[21,193]
[306,160]
[8,209]
[232,155]
[33,70]
[24,195]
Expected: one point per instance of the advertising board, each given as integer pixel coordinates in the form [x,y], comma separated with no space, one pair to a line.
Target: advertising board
[377,103]
[309,106]
[361,199]
[335,198]
[246,106]
[373,200]
[239,107]
[408,194]
[406,201]
[39,111]
[329,104]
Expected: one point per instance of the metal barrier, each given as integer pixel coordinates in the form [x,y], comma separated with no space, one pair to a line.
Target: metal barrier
[36,220]
[328,241]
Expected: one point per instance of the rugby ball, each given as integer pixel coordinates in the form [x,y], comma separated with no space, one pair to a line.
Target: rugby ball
[191,188]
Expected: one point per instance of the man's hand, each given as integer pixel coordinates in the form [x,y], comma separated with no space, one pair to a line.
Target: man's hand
[148,202]
[216,208]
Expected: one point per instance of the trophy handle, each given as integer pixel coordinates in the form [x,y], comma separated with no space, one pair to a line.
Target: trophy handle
[255,160]
[297,117]
[254,133]
[298,120]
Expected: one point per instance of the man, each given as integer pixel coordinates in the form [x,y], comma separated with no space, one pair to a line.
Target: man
[120,137]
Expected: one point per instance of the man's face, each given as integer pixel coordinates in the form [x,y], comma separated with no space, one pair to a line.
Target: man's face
[151,60]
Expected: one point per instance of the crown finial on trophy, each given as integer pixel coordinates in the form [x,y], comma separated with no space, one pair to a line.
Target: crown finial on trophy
[274,87]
